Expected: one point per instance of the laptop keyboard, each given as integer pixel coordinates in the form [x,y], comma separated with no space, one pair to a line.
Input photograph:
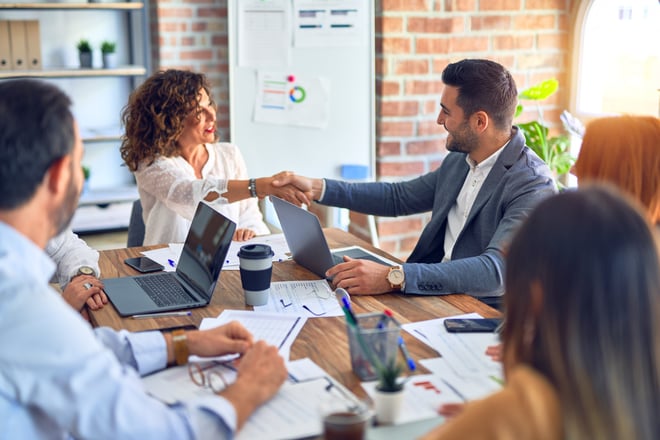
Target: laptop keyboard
[164,290]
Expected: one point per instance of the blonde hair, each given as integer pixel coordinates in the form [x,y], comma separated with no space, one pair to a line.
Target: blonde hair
[624,151]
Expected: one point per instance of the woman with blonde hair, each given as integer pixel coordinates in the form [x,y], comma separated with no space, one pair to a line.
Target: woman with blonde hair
[581,344]
[624,151]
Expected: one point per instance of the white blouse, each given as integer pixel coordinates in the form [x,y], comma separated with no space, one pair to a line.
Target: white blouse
[170,191]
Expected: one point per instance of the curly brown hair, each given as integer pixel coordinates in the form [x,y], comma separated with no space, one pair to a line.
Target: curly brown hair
[155,113]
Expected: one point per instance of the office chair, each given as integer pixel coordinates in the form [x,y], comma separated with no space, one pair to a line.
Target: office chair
[135,226]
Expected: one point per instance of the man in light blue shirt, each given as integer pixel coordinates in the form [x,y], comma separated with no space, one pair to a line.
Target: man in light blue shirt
[58,377]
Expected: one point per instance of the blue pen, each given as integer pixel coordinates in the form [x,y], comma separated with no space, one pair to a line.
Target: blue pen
[406,354]
[171,262]
[347,308]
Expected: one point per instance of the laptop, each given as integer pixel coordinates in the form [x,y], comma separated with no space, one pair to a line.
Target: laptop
[196,275]
[309,248]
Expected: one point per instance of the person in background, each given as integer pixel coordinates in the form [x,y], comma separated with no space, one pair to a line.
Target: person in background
[170,145]
[60,377]
[624,151]
[77,272]
[581,344]
[484,188]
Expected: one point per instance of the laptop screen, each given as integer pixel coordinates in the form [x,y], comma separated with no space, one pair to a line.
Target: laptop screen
[205,249]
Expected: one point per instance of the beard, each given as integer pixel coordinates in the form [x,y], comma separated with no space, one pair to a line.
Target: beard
[65,214]
[463,140]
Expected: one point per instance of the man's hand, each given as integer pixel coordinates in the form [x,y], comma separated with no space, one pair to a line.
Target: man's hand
[227,339]
[311,187]
[243,234]
[261,372]
[85,289]
[360,277]
[286,188]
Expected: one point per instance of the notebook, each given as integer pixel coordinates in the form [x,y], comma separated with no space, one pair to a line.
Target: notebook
[307,243]
[196,275]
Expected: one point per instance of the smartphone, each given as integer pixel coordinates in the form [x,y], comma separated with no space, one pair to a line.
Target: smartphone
[143,264]
[472,325]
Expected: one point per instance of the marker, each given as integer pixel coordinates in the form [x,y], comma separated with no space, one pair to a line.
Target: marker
[159,315]
[390,315]
[171,262]
[406,355]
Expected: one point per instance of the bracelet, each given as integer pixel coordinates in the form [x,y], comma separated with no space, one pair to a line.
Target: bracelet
[252,186]
[180,346]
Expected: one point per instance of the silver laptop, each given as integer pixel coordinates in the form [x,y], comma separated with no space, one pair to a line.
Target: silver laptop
[308,246]
[196,275]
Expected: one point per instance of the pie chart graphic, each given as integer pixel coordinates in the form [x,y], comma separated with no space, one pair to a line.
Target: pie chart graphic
[297,94]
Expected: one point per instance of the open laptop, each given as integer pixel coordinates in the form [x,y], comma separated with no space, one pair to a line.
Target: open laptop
[308,246]
[196,275]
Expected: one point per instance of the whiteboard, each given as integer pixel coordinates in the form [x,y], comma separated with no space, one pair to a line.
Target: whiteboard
[348,136]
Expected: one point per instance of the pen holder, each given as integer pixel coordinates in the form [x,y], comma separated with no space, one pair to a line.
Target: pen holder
[380,335]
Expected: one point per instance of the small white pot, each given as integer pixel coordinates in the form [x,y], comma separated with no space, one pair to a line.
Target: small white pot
[109,60]
[387,406]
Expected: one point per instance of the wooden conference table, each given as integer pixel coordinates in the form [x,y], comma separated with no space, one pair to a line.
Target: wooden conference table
[323,340]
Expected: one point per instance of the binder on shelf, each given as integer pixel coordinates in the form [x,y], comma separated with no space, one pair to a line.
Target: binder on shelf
[5,47]
[33,37]
[18,43]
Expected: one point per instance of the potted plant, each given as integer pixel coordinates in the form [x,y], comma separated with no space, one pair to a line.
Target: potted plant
[555,150]
[86,173]
[389,391]
[109,55]
[85,54]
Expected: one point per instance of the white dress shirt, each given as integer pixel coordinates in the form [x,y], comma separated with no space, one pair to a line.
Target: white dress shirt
[70,253]
[460,211]
[60,379]
[170,192]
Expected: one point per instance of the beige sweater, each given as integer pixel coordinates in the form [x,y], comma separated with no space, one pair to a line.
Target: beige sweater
[526,408]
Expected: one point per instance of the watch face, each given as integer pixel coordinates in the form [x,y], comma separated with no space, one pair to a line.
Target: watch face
[86,270]
[395,277]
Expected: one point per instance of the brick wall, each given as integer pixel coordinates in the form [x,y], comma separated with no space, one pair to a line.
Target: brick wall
[415,40]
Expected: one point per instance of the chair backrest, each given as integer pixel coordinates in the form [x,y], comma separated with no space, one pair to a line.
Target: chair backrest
[136,226]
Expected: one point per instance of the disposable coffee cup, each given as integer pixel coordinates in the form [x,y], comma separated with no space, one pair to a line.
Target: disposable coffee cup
[256,265]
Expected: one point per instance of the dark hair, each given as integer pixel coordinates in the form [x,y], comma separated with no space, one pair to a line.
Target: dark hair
[155,113]
[596,334]
[484,85]
[36,129]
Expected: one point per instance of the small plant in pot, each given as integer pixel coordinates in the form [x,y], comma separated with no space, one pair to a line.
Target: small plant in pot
[389,391]
[86,173]
[84,54]
[108,49]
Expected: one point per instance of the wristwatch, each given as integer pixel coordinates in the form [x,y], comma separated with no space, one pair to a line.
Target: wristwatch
[86,270]
[396,278]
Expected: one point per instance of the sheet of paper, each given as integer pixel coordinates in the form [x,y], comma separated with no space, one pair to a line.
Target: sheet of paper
[320,23]
[277,243]
[468,387]
[312,299]
[463,352]
[294,412]
[276,329]
[424,394]
[305,369]
[264,33]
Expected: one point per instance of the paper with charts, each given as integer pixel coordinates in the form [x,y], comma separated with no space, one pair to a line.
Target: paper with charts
[276,329]
[464,363]
[310,298]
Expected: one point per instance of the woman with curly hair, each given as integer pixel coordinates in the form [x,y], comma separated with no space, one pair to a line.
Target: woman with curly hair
[170,146]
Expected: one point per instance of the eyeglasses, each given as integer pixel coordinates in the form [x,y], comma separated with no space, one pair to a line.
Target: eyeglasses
[202,377]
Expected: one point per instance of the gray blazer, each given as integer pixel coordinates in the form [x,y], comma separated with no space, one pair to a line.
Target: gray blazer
[515,184]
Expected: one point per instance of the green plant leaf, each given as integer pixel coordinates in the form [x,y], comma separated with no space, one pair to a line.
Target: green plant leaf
[519,110]
[540,91]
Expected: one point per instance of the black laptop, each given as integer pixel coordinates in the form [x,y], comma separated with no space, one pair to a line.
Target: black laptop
[196,275]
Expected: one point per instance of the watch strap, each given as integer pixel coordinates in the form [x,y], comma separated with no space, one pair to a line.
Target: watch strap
[180,347]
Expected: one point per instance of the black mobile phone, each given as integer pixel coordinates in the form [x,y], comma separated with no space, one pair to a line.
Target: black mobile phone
[472,325]
[143,264]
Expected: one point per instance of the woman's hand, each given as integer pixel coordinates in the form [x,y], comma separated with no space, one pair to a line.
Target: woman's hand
[495,352]
[85,289]
[244,234]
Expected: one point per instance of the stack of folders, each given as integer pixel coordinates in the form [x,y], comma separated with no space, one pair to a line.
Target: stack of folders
[20,45]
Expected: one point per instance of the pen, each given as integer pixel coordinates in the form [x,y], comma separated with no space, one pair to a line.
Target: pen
[390,315]
[406,354]
[158,315]
[171,262]
[348,311]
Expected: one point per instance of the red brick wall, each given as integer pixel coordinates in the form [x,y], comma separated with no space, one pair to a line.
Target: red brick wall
[415,40]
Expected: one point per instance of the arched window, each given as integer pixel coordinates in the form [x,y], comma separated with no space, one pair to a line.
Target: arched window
[616,58]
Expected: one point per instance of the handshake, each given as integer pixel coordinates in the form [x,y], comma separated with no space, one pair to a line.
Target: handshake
[291,187]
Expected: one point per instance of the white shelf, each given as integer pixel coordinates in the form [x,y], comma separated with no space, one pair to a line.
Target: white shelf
[109,195]
[73,6]
[94,218]
[70,72]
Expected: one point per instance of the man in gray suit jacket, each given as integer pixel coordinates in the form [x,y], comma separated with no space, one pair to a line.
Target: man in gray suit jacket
[480,194]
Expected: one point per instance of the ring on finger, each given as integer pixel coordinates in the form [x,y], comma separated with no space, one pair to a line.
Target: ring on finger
[87,286]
